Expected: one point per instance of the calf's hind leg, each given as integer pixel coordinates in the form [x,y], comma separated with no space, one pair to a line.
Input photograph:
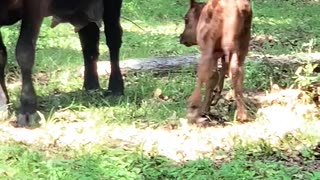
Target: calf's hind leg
[219,87]
[211,83]
[237,76]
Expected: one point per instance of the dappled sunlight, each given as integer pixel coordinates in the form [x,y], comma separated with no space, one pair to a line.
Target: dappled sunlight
[272,21]
[63,36]
[166,29]
[282,114]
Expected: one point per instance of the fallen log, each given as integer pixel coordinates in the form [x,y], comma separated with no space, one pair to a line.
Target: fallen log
[174,63]
[157,64]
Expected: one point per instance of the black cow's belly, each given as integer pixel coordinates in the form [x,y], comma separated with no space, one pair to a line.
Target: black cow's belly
[10,17]
[77,12]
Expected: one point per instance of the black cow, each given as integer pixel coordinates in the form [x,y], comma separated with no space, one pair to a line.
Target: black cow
[84,15]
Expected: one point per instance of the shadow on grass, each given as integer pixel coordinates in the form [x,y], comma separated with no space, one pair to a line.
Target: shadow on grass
[82,98]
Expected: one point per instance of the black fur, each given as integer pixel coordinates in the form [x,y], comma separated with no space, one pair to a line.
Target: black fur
[83,14]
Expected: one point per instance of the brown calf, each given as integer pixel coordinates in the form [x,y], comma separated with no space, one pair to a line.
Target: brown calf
[221,28]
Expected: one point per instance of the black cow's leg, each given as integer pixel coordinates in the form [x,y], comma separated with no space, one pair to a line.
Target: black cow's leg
[113,32]
[4,98]
[25,54]
[89,37]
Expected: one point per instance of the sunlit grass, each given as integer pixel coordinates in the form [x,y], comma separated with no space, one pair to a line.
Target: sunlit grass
[272,21]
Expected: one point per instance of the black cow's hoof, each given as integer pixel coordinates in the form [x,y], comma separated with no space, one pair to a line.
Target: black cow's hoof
[113,93]
[27,120]
[92,86]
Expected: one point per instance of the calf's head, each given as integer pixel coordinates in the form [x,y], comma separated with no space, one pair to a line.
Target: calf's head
[191,18]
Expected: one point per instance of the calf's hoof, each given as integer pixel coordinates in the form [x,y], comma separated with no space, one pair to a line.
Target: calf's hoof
[193,114]
[242,116]
[27,120]
[209,120]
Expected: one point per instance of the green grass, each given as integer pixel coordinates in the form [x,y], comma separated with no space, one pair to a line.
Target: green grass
[291,24]
[25,163]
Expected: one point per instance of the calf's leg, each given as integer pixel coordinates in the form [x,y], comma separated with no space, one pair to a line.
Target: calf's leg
[4,98]
[89,38]
[237,76]
[113,32]
[211,83]
[219,87]
[206,73]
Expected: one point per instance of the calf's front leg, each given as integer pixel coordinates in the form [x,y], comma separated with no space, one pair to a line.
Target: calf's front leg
[237,76]
[205,72]
[219,87]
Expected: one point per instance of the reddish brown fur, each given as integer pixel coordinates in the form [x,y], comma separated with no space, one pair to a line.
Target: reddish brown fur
[222,29]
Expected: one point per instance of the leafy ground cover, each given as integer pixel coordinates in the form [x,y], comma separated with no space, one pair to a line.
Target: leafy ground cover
[144,136]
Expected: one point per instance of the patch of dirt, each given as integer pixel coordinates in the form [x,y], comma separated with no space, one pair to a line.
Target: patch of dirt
[13,77]
[41,78]
[12,74]
[311,164]
[314,165]
[257,42]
